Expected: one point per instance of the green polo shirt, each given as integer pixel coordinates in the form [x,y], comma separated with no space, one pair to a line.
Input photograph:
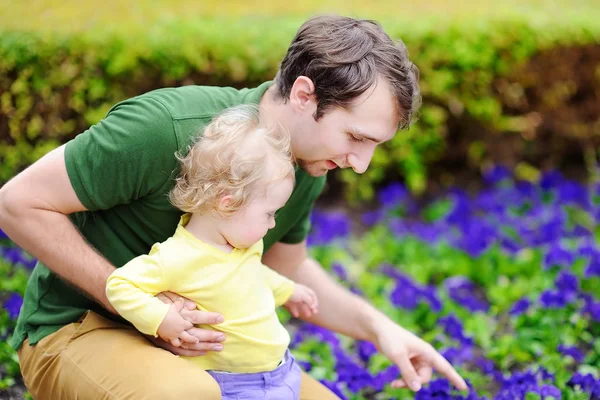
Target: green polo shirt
[122,170]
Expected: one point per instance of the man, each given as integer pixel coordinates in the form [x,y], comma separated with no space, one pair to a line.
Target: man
[95,203]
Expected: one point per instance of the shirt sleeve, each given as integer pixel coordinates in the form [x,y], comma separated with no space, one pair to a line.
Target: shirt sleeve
[281,286]
[132,288]
[126,156]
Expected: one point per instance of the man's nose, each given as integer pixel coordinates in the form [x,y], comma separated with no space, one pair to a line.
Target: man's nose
[359,161]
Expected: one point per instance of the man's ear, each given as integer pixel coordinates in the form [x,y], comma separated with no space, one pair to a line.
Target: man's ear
[302,95]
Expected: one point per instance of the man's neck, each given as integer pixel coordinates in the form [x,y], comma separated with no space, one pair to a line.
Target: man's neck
[274,112]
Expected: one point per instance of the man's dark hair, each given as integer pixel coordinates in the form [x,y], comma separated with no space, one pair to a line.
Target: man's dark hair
[344,57]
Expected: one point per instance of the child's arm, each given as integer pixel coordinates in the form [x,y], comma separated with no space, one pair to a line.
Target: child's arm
[281,286]
[131,290]
[300,300]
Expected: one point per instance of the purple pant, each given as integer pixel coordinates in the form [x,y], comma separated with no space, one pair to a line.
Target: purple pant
[283,383]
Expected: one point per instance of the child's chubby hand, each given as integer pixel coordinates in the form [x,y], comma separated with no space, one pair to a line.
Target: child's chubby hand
[303,302]
[173,327]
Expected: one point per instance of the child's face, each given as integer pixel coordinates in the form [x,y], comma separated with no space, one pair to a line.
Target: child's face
[250,224]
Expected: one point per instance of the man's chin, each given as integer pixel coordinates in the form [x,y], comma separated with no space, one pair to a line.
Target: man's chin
[312,168]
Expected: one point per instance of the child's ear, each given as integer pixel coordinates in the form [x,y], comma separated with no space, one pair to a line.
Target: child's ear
[225,203]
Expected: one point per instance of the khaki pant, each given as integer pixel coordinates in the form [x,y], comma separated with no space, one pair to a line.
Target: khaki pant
[96,358]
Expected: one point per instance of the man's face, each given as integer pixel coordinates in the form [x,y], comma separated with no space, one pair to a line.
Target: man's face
[347,138]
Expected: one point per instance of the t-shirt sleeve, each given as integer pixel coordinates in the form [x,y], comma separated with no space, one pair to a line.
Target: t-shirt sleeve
[300,230]
[132,288]
[281,286]
[126,156]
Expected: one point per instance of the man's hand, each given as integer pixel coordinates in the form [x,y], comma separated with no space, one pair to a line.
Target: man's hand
[415,358]
[199,340]
[303,302]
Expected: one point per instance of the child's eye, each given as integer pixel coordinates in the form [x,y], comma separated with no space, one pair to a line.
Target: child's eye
[355,138]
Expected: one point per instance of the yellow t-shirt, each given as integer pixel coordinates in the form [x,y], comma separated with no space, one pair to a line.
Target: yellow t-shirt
[236,285]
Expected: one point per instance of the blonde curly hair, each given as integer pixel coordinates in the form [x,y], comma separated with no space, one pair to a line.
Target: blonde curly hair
[235,157]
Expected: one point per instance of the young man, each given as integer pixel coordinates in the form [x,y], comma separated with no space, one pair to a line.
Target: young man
[100,200]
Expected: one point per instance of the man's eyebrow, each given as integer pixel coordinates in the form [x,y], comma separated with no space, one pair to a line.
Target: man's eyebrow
[357,132]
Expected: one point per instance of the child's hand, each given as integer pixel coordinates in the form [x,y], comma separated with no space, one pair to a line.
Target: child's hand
[303,302]
[173,327]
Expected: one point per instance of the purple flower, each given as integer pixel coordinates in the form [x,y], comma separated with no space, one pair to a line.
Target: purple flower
[15,256]
[408,294]
[593,268]
[356,377]
[573,192]
[552,299]
[430,233]
[398,227]
[326,227]
[371,218]
[309,330]
[584,382]
[556,255]
[550,180]
[595,392]
[510,245]
[454,328]
[405,295]
[461,210]
[545,375]
[430,294]
[588,249]
[497,174]
[458,356]
[526,189]
[12,305]
[580,231]
[572,351]
[520,306]
[551,231]
[477,235]
[393,195]
[567,284]
[366,350]
[3,235]
[437,389]
[489,202]
[488,367]
[517,385]
[550,390]
[463,291]
[387,375]
[591,307]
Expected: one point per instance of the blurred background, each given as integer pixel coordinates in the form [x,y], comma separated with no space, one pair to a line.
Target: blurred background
[477,228]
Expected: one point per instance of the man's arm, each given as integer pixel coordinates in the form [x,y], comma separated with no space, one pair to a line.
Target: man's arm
[343,312]
[292,260]
[33,212]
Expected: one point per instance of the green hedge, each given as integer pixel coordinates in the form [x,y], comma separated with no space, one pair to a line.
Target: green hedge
[485,84]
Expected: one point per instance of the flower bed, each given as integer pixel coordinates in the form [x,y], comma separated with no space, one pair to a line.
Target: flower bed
[505,283]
